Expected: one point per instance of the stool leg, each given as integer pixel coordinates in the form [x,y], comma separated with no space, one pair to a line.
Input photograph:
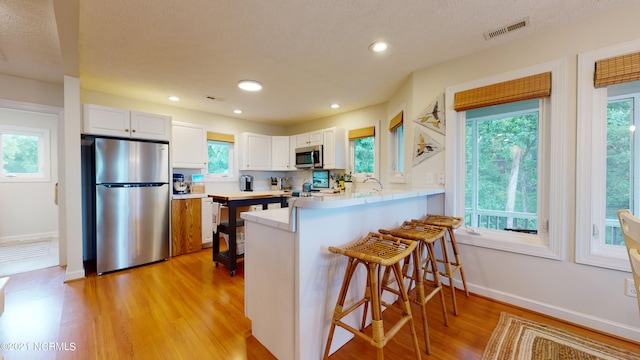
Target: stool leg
[406,305]
[418,277]
[337,312]
[448,272]
[431,256]
[458,263]
[376,312]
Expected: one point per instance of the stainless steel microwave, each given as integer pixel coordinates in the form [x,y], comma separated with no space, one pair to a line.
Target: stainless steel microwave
[309,157]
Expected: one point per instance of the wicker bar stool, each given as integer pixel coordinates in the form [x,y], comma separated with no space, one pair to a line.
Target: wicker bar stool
[451,266]
[375,251]
[425,236]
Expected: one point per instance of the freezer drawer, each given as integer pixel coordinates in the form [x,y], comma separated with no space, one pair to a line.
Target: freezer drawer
[132,226]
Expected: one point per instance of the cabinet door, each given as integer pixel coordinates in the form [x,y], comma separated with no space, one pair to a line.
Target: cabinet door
[280,153]
[302,140]
[256,152]
[334,148]
[207,220]
[150,126]
[103,120]
[188,146]
[316,138]
[186,226]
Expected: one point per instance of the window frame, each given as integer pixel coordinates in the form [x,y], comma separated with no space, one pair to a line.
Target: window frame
[397,150]
[44,153]
[553,197]
[232,175]
[591,136]
[360,177]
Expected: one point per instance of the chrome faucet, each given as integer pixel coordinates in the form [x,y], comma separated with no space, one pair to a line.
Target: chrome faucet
[373,179]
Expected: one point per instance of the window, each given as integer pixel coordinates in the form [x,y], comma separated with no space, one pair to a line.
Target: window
[396,130]
[362,144]
[500,138]
[24,153]
[219,154]
[608,152]
[501,179]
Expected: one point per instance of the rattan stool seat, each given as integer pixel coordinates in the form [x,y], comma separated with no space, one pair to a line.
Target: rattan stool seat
[424,262]
[374,252]
[442,220]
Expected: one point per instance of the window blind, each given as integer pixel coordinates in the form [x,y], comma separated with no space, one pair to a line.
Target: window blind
[214,136]
[397,121]
[362,133]
[617,70]
[526,88]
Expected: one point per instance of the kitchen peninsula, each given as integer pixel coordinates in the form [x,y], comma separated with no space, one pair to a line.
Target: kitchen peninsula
[292,280]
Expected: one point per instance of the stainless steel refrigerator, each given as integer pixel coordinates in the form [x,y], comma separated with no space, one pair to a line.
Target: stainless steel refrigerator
[132,203]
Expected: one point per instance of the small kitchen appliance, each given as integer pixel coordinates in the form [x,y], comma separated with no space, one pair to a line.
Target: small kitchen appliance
[309,157]
[246,183]
[179,185]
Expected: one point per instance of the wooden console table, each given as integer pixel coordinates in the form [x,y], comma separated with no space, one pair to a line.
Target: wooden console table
[234,200]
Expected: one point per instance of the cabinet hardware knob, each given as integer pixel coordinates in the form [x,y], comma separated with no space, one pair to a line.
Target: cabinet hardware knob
[126,130]
[134,130]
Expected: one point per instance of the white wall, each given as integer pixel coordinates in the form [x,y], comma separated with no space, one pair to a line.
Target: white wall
[582,294]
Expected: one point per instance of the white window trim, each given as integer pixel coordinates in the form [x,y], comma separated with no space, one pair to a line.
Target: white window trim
[557,195]
[591,160]
[233,162]
[376,161]
[396,177]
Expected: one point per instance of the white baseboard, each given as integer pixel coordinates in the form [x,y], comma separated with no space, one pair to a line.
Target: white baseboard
[73,275]
[28,237]
[586,320]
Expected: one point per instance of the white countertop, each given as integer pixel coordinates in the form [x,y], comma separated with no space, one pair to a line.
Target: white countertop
[280,218]
[330,201]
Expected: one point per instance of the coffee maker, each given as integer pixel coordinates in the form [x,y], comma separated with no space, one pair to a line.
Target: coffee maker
[246,183]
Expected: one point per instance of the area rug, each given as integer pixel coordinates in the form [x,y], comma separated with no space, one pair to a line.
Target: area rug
[521,339]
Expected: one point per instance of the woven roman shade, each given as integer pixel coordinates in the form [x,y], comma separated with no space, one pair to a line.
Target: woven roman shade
[214,136]
[530,87]
[396,122]
[362,133]
[617,70]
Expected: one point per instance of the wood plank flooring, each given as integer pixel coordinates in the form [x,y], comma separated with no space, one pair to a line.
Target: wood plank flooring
[186,308]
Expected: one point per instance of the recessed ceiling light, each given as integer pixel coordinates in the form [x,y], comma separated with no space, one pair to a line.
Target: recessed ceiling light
[378,46]
[335,106]
[174,98]
[237,111]
[250,85]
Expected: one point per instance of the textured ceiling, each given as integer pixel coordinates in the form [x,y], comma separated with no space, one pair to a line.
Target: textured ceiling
[307,53]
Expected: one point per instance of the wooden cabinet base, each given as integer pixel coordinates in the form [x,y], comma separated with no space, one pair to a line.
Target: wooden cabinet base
[186,224]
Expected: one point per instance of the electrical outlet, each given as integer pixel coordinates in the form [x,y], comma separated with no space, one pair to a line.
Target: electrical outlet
[430,178]
[441,178]
[630,288]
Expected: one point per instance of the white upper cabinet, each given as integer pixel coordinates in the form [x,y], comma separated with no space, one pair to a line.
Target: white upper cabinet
[333,150]
[104,120]
[280,153]
[255,152]
[188,146]
[309,139]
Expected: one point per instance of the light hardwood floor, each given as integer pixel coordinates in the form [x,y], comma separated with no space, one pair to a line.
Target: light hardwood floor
[186,308]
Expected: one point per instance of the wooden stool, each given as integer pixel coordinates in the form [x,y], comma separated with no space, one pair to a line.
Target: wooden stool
[374,252]
[450,266]
[426,236]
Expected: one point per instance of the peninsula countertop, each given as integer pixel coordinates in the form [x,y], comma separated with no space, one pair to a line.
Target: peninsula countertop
[281,218]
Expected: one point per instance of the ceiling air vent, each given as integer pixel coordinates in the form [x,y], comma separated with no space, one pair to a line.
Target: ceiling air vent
[215,98]
[506,29]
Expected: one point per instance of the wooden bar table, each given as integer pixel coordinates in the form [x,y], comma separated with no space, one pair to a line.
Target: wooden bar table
[233,201]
